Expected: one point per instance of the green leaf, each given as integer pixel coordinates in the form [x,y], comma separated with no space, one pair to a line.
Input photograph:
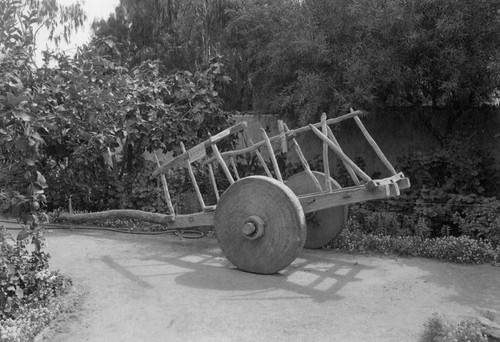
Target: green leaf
[40,180]
[19,292]
[29,162]
[22,115]
[23,235]
[12,99]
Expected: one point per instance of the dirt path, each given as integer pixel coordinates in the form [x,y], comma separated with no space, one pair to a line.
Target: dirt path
[161,288]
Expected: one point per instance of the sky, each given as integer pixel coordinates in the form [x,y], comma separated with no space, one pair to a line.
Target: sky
[95,9]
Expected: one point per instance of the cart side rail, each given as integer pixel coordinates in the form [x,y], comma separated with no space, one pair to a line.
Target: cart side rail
[286,139]
[199,151]
[288,135]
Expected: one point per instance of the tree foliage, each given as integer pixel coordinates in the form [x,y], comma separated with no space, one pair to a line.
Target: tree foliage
[85,122]
[23,117]
[183,35]
[301,58]
[110,115]
[330,55]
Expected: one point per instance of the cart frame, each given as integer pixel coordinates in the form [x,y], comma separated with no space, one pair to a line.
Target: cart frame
[260,221]
[366,188]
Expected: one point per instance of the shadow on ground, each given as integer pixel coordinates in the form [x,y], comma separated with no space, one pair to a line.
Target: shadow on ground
[315,276]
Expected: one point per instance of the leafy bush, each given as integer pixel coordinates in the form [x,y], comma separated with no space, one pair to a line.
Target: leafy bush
[27,286]
[96,151]
[439,329]
[384,223]
[458,249]
[481,220]
[454,249]
[450,186]
[85,121]
[450,195]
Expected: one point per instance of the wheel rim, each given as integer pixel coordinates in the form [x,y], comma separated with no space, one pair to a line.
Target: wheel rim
[260,225]
[324,225]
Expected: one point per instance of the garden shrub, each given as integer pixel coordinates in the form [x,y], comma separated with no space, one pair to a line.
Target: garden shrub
[376,222]
[451,195]
[439,329]
[460,249]
[136,190]
[481,220]
[27,286]
[455,181]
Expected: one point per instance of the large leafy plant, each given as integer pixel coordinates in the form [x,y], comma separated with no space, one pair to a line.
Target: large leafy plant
[108,116]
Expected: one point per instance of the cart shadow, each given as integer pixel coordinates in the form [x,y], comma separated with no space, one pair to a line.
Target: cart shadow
[314,275]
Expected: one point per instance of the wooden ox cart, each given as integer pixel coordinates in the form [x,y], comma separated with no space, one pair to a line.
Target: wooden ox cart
[263,222]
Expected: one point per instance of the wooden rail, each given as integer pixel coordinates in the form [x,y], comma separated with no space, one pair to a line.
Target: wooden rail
[289,134]
[197,150]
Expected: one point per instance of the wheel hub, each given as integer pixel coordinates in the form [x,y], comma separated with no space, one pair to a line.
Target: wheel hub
[253,228]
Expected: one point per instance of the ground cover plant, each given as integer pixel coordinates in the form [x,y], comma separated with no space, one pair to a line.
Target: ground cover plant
[461,249]
[29,290]
[440,329]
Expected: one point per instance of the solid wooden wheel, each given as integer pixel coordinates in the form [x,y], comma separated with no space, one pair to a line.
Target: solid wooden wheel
[260,225]
[324,225]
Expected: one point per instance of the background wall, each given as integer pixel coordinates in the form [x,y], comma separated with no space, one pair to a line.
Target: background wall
[397,133]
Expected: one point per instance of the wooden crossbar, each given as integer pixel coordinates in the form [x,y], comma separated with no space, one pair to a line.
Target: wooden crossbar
[374,145]
[180,160]
[288,135]
[303,161]
[341,154]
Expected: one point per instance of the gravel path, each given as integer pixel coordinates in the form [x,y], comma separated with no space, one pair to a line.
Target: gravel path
[163,288]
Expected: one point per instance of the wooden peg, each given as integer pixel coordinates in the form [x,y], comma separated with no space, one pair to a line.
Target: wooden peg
[281,129]
[326,161]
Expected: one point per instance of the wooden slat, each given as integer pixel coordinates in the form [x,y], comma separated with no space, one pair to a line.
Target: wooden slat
[261,160]
[399,179]
[181,159]
[351,173]
[356,194]
[270,149]
[304,162]
[283,141]
[341,154]
[235,169]
[193,180]
[328,122]
[212,179]
[326,161]
[294,132]
[375,147]
[222,163]
[165,189]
